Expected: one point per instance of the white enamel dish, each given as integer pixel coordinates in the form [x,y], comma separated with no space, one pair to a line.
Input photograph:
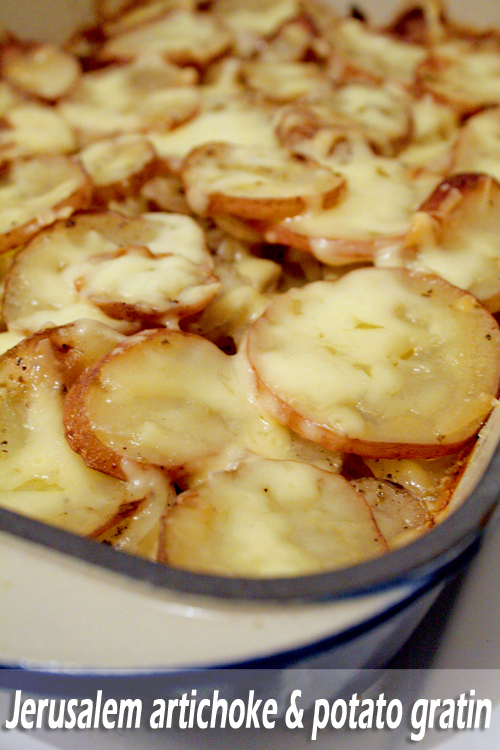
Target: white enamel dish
[74,609]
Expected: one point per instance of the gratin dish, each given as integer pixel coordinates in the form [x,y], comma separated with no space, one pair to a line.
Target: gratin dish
[74,606]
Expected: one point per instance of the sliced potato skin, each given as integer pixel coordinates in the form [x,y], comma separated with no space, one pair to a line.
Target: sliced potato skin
[118,167]
[41,476]
[46,274]
[463,72]
[168,36]
[343,424]
[41,70]
[332,251]
[86,429]
[174,79]
[270,518]
[77,196]
[455,235]
[221,178]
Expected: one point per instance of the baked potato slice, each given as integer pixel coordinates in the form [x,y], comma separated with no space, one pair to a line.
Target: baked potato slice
[248,284]
[118,167]
[271,518]
[373,212]
[35,193]
[256,183]
[413,375]
[41,476]
[131,14]
[284,82]
[382,112]
[241,125]
[164,397]
[134,97]
[477,147]
[175,400]
[432,482]
[137,528]
[42,70]
[291,43]
[363,53]
[34,130]
[180,37]
[455,236]
[107,266]
[463,72]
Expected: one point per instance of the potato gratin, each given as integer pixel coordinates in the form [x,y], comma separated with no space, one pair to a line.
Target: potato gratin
[250,263]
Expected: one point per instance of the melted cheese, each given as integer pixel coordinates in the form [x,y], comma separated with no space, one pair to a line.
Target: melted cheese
[34,130]
[378,54]
[271,518]
[90,259]
[378,203]
[243,126]
[268,176]
[40,475]
[180,36]
[372,357]
[37,191]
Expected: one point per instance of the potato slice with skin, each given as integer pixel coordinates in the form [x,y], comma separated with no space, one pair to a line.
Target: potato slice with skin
[42,70]
[477,147]
[271,518]
[165,192]
[34,130]
[253,183]
[187,411]
[284,82]
[134,97]
[118,167]
[362,53]
[464,73]
[37,192]
[135,14]
[177,401]
[77,346]
[92,257]
[455,236]
[137,527]
[373,212]
[432,482]
[180,37]
[240,122]
[41,476]
[134,283]
[248,284]
[383,113]
[9,98]
[112,8]
[414,375]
